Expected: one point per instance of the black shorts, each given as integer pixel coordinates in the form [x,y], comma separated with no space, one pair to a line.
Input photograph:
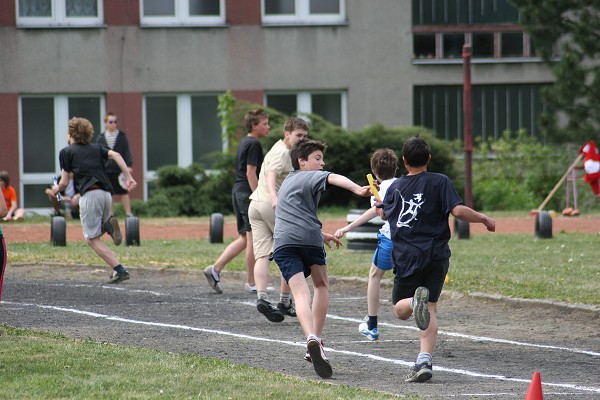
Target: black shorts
[114,182]
[241,203]
[432,277]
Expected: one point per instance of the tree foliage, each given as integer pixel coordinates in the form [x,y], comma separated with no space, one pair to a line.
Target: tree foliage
[575,27]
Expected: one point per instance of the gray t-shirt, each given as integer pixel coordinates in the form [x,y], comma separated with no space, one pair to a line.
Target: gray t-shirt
[296,222]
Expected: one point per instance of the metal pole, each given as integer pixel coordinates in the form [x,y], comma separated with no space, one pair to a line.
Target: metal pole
[467,124]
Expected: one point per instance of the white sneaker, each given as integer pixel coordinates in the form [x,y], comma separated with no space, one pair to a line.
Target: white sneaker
[215,284]
[250,288]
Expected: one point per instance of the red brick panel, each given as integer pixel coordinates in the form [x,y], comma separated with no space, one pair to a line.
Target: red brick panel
[119,12]
[242,12]
[253,96]
[9,136]
[8,16]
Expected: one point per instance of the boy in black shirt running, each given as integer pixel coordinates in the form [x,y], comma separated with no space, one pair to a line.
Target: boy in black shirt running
[84,162]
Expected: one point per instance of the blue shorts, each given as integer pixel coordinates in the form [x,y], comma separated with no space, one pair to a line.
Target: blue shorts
[292,260]
[382,258]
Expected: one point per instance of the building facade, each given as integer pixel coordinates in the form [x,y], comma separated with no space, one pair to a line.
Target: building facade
[161,64]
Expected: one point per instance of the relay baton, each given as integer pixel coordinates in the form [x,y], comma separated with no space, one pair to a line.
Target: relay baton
[373,187]
[55,182]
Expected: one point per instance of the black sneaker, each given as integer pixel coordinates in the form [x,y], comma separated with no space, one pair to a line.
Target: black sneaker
[272,313]
[112,228]
[319,360]
[420,373]
[287,310]
[119,277]
[421,308]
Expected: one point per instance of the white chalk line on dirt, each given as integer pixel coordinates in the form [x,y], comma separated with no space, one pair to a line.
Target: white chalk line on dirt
[299,344]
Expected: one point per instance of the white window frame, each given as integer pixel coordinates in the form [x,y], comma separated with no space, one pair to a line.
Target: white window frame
[59,17]
[302,16]
[60,129]
[304,101]
[182,16]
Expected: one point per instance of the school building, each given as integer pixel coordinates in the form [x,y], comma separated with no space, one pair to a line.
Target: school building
[161,64]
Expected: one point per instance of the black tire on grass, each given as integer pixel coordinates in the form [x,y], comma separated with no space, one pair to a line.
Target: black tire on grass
[543,225]
[215,234]
[58,231]
[132,231]
[461,229]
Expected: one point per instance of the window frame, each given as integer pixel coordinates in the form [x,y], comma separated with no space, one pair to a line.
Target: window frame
[302,15]
[304,101]
[182,17]
[59,18]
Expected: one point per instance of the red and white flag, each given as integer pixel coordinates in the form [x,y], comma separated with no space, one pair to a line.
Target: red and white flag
[591,165]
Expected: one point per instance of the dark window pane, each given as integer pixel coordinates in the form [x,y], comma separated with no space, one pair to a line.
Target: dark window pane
[483,45]
[35,8]
[453,43]
[204,7]
[82,8]
[38,133]
[286,103]
[161,131]
[512,44]
[424,46]
[206,129]
[88,108]
[324,7]
[34,196]
[329,106]
[276,7]
[159,8]
[541,48]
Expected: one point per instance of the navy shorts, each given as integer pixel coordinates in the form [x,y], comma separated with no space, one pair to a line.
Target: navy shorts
[432,277]
[292,260]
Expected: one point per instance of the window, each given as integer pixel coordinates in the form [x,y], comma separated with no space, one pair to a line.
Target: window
[182,12]
[65,13]
[424,46]
[483,45]
[458,12]
[181,129]
[43,124]
[453,44]
[303,11]
[329,105]
[512,44]
[495,109]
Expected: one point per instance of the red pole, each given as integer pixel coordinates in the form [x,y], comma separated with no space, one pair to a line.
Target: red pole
[467,124]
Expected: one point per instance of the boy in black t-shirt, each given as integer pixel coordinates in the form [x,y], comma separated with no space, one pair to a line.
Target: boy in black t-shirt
[84,162]
[417,207]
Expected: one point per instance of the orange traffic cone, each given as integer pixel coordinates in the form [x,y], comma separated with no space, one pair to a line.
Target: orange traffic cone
[535,388]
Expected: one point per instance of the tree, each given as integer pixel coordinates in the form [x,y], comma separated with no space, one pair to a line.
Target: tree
[575,27]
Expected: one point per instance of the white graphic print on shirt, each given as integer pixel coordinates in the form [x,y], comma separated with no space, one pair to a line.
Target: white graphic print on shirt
[409,210]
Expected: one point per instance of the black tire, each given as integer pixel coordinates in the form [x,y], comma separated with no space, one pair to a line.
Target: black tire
[215,234]
[461,229]
[363,237]
[543,225]
[58,231]
[132,231]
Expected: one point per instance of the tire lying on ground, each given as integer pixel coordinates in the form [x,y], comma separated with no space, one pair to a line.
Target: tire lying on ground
[132,231]
[543,225]
[216,228]
[461,229]
[363,237]
[58,231]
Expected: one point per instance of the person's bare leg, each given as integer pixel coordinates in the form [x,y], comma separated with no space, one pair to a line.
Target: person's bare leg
[320,303]
[231,251]
[429,336]
[250,260]
[103,251]
[373,289]
[301,293]
[261,274]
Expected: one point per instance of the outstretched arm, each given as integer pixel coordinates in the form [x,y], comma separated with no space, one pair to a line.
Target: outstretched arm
[345,183]
[365,217]
[113,155]
[469,215]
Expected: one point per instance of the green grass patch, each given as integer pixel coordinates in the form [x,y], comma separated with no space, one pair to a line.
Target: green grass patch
[36,365]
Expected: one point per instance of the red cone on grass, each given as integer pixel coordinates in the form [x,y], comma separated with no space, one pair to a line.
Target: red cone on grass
[535,388]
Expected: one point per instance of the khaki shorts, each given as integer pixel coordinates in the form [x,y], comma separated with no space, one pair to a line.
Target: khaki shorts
[94,211]
[262,220]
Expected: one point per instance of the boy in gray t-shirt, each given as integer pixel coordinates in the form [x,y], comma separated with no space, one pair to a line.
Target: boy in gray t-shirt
[299,250]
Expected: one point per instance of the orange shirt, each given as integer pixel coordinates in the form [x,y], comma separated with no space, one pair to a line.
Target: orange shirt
[10,195]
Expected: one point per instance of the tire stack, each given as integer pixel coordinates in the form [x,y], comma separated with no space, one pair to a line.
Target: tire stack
[363,237]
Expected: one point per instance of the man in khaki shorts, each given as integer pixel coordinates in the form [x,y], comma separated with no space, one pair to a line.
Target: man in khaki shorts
[276,166]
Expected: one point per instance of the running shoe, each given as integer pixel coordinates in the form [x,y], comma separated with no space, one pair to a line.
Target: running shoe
[112,228]
[213,282]
[249,288]
[118,277]
[369,334]
[287,310]
[420,373]
[420,307]
[272,313]
[319,360]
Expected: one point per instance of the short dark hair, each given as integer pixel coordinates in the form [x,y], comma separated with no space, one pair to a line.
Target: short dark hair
[303,149]
[416,152]
[254,117]
[5,178]
[295,123]
[384,163]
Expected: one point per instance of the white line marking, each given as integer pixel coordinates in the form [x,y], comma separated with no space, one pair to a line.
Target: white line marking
[301,344]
